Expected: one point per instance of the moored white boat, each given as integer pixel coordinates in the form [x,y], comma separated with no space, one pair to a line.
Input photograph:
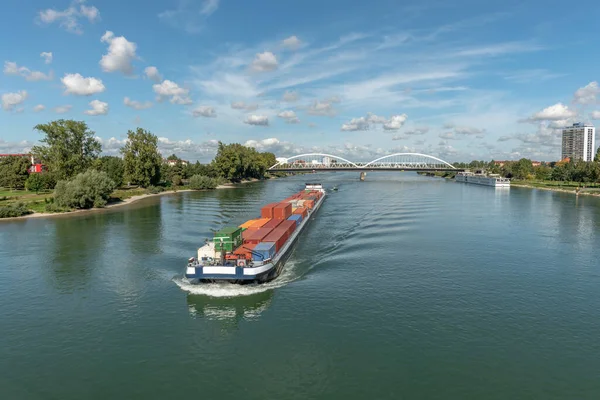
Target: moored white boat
[482,179]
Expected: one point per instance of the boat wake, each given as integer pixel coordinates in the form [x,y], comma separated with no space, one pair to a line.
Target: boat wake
[227,289]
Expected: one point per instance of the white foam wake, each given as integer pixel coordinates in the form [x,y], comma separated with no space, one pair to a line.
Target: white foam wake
[226,289]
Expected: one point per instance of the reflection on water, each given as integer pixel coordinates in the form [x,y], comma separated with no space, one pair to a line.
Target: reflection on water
[231,310]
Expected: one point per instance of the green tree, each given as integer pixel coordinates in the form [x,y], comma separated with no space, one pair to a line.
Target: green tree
[542,172]
[113,166]
[35,183]
[597,158]
[88,189]
[522,169]
[69,147]
[199,182]
[142,159]
[14,171]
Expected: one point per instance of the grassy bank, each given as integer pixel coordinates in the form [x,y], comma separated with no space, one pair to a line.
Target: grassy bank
[583,188]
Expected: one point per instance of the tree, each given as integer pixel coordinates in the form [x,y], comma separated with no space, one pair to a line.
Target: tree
[88,189]
[113,166]
[142,159]
[14,171]
[597,158]
[199,182]
[69,147]
[35,183]
[173,157]
[522,169]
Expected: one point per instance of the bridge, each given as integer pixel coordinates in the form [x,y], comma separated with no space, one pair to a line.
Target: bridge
[392,162]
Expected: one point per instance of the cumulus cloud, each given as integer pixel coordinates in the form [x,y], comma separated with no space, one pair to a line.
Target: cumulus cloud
[63,109]
[418,131]
[78,85]
[137,105]
[240,105]
[39,107]
[188,149]
[121,54]
[69,19]
[289,116]
[356,124]
[47,56]
[595,115]
[204,111]
[21,147]
[11,100]
[465,130]
[153,74]
[321,108]
[11,68]
[292,43]
[261,120]
[264,62]
[448,136]
[290,96]
[170,89]
[553,113]
[504,138]
[98,108]
[395,122]
[587,94]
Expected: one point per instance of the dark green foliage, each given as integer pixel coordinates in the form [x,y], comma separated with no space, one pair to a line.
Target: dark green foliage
[86,190]
[113,166]
[14,171]
[35,183]
[200,182]
[597,157]
[69,147]
[235,162]
[14,210]
[142,159]
[154,190]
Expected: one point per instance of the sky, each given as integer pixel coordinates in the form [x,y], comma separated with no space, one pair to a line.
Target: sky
[457,80]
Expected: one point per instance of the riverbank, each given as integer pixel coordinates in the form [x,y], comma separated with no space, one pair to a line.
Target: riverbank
[122,202]
[555,187]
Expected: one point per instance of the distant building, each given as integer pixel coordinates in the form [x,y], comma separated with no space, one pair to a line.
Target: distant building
[326,161]
[578,142]
[501,163]
[36,165]
[171,163]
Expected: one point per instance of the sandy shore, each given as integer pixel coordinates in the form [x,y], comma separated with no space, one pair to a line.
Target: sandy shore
[121,203]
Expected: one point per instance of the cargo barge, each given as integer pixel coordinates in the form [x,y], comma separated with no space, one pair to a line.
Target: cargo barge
[256,251]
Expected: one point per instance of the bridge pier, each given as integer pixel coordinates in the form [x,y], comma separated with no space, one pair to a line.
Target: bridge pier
[363,175]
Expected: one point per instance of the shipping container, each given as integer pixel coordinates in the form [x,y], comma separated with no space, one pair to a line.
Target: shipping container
[309,203]
[257,235]
[277,235]
[282,211]
[267,211]
[260,222]
[248,224]
[297,218]
[263,251]
[274,223]
[290,226]
[302,211]
[228,239]
[245,250]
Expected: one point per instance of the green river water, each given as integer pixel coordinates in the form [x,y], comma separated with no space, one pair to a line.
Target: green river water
[402,287]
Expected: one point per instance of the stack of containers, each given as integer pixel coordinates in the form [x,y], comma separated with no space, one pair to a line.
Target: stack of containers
[228,239]
[278,236]
[245,251]
[263,251]
[267,211]
[257,236]
[302,211]
[297,218]
[289,226]
[282,211]
[274,223]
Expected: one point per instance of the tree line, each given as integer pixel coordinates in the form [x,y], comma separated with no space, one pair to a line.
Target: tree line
[74,166]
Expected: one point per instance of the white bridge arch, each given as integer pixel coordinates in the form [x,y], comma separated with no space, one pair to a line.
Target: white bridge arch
[328,162]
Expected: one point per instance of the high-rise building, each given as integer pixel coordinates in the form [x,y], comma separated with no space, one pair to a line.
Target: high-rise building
[578,142]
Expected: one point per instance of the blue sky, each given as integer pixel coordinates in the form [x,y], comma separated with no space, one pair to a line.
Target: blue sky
[461,80]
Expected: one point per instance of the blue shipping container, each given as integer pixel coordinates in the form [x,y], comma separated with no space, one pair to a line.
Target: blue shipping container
[263,250]
[297,218]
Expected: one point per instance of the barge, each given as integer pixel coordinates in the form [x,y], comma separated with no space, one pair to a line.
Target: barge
[481,178]
[256,251]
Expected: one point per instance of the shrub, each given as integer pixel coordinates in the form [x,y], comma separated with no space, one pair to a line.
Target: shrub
[88,189]
[14,210]
[200,182]
[154,189]
[53,208]
[35,183]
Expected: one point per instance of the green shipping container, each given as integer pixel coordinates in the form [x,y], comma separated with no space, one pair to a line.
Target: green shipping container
[228,239]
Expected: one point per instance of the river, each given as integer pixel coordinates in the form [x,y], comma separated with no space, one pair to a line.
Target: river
[403,286]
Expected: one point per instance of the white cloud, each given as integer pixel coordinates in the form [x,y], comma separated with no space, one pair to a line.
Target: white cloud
[395,122]
[188,149]
[62,109]
[137,105]
[321,108]
[418,131]
[264,62]
[171,89]
[98,108]
[10,100]
[289,116]
[290,96]
[240,105]
[47,56]
[11,68]
[69,18]
[448,135]
[261,120]
[399,137]
[21,147]
[204,111]
[121,54]
[553,113]
[595,115]
[292,43]
[78,85]
[153,74]
[188,16]
[464,130]
[39,107]
[587,94]
[209,7]
[356,124]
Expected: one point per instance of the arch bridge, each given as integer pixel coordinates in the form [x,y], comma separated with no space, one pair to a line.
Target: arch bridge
[391,162]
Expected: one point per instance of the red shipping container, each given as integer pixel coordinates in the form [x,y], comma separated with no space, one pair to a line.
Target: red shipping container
[245,250]
[257,236]
[309,203]
[282,211]
[267,211]
[301,210]
[274,223]
[278,236]
[289,226]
